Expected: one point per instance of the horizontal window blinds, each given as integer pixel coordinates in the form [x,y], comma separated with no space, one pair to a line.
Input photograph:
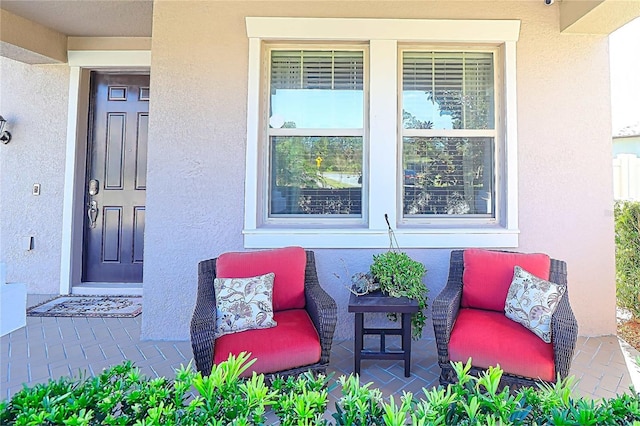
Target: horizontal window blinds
[460,84]
[329,70]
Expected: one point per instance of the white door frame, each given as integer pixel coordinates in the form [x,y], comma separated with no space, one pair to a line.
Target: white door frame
[81,63]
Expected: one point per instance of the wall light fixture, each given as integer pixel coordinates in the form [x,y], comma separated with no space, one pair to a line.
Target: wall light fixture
[5,135]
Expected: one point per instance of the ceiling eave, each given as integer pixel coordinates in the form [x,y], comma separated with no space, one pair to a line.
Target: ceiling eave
[27,41]
[596,16]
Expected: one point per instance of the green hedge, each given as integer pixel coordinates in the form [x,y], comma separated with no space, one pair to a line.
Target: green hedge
[627,218]
[121,395]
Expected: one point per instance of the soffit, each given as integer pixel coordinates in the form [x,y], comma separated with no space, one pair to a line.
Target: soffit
[88,18]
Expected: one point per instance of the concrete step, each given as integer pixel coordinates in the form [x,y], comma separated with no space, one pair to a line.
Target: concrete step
[13,303]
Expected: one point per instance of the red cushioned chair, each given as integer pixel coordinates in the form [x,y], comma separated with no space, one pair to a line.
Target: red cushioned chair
[469,321]
[305,314]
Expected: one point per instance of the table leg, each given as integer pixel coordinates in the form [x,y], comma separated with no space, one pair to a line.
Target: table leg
[406,343]
[359,341]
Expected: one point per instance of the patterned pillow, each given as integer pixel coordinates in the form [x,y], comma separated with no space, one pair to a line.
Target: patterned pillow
[243,303]
[531,301]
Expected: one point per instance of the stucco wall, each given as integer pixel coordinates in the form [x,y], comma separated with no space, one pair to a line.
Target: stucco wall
[197,152]
[33,99]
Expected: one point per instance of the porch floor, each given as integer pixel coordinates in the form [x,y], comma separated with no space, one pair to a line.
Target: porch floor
[52,347]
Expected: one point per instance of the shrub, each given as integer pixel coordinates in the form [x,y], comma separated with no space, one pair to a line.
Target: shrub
[627,221]
[123,396]
[401,276]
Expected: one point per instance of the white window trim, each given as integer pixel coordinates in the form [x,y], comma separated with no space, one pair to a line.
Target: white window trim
[383,36]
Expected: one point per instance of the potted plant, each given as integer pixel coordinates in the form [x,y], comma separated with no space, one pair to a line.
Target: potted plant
[401,276]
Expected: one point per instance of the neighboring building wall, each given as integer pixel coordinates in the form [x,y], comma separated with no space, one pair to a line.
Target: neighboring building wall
[626,177]
[196,157]
[626,145]
[626,167]
[34,100]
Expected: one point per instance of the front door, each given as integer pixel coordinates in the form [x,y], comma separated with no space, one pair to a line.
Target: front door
[116,178]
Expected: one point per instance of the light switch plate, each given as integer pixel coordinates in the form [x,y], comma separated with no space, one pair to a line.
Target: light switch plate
[36,189]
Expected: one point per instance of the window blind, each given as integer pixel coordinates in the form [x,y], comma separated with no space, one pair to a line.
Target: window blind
[329,70]
[460,84]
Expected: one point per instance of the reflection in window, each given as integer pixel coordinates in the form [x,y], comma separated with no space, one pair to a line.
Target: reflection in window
[448,143]
[316,133]
[448,176]
[316,176]
[317,89]
[450,90]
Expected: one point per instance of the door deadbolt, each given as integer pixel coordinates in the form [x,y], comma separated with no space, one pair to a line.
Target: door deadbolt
[94,187]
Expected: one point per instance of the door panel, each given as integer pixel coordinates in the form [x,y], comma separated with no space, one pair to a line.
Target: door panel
[117,164]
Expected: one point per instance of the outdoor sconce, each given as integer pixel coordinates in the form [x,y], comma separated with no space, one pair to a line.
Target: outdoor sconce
[5,135]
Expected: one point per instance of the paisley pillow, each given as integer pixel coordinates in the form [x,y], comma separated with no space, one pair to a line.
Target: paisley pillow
[243,304]
[531,301]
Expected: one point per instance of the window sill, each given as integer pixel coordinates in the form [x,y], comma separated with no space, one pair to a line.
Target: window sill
[369,238]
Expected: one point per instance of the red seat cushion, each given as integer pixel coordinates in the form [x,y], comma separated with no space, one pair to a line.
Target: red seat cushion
[287,263]
[294,342]
[488,274]
[490,338]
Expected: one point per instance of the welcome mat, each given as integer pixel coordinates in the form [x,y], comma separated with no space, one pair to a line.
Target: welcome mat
[88,306]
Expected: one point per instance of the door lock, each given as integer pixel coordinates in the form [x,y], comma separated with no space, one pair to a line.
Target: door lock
[94,187]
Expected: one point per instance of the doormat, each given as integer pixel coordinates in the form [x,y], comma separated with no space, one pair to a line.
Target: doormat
[88,306]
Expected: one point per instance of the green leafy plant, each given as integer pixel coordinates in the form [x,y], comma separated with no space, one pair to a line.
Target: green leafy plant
[121,395]
[301,400]
[359,404]
[627,219]
[401,276]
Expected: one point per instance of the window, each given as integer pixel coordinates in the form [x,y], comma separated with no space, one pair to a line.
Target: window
[347,123]
[448,134]
[315,134]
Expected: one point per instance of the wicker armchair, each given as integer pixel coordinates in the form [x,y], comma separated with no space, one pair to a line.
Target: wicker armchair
[320,306]
[446,307]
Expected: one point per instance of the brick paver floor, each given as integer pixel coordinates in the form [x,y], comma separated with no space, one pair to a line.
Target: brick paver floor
[52,347]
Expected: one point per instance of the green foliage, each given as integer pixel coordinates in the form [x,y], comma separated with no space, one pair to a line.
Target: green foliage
[121,395]
[301,400]
[399,276]
[359,404]
[627,219]
[295,159]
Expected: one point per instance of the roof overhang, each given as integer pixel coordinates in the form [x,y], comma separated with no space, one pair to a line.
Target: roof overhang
[27,41]
[26,38]
[596,16]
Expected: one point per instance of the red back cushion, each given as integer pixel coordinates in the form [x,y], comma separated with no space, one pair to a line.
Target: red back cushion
[488,274]
[287,263]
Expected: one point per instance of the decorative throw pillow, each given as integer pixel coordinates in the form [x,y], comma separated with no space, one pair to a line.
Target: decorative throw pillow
[531,301]
[243,303]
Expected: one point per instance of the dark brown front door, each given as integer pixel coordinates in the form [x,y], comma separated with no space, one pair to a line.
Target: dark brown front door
[116,178]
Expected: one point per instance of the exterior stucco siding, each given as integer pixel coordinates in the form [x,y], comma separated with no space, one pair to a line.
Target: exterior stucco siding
[195,195]
[34,100]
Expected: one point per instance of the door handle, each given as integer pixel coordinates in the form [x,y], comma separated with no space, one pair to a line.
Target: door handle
[93,213]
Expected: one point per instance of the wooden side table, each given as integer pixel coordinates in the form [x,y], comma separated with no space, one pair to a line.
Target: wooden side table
[377,302]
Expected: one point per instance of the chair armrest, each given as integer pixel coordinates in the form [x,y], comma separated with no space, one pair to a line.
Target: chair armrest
[445,306]
[564,327]
[321,307]
[203,322]
[444,311]
[564,332]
